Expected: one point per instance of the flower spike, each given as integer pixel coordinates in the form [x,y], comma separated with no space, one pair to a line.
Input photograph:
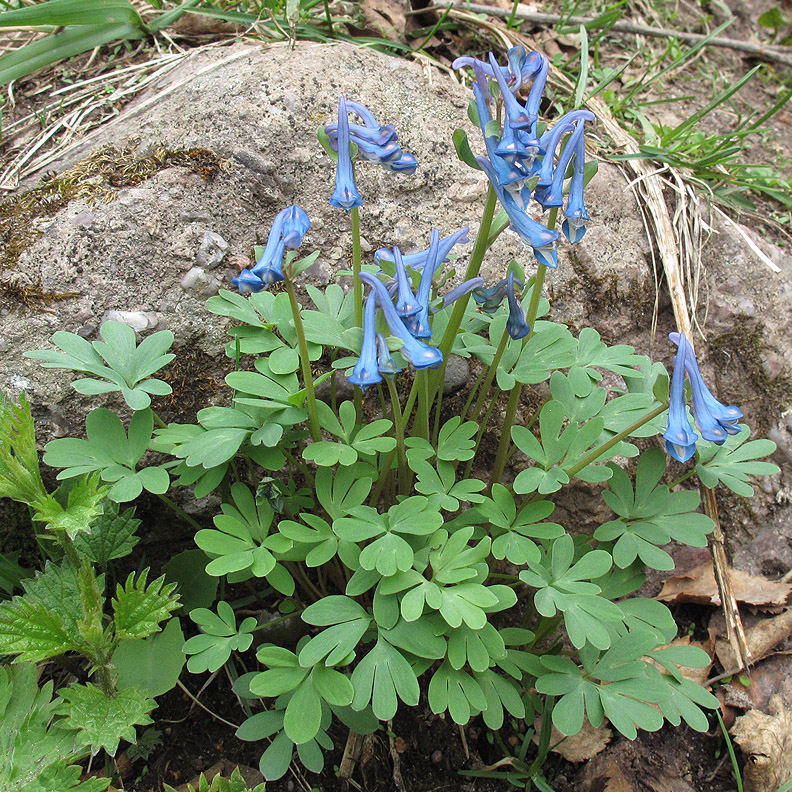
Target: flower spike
[418,325]
[714,420]
[575,214]
[416,352]
[346,195]
[417,260]
[406,302]
[367,369]
[680,439]
[552,195]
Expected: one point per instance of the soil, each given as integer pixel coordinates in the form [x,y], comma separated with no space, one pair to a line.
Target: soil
[421,751]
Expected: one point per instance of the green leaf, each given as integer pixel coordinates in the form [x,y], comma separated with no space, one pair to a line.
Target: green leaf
[455,691]
[60,611]
[220,637]
[347,622]
[103,721]
[20,476]
[463,150]
[71,12]
[456,441]
[733,463]
[117,359]
[85,503]
[195,588]
[381,678]
[111,535]
[138,608]
[303,713]
[551,347]
[151,664]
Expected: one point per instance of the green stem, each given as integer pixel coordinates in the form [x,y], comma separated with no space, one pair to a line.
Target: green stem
[293,615]
[473,392]
[357,292]
[178,509]
[422,417]
[305,364]
[491,371]
[482,428]
[596,453]
[460,306]
[516,391]
[398,428]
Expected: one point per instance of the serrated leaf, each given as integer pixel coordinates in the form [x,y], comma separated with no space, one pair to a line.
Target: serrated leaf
[102,721]
[112,535]
[138,608]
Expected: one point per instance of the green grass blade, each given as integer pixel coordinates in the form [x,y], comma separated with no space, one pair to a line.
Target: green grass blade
[72,12]
[72,41]
[607,80]
[688,123]
[169,17]
[584,67]
[730,749]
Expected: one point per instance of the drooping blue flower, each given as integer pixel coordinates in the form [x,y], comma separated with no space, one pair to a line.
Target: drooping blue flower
[407,163]
[552,195]
[367,368]
[406,302]
[385,362]
[575,214]
[505,170]
[248,283]
[714,420]
[516,113]
[489,300]
[523,67]
[416,260]
[550,140]
[460,291]
[296,224]
[680,439]
[419,355]
[346,195]
[269,267]
[532,104]
[516,325]
[418,324]
[540,238]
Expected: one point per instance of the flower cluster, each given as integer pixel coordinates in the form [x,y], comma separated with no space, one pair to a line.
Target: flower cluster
[489,301]
[521,163]
[374,143]
[406,312]
[288,229]
[714,420]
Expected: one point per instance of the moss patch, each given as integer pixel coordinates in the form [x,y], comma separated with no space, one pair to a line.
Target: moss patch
[97,178]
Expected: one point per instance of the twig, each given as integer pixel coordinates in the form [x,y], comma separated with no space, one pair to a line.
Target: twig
[398,781]
[352,749]
[777,53]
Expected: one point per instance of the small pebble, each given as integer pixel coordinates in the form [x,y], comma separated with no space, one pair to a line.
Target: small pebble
[212,250]
[437,757]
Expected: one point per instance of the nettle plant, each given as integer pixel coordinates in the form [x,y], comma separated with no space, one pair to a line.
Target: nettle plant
[363,520]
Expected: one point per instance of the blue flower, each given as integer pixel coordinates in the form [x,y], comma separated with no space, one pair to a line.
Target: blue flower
[549,142]
[575,214]
[248,283]
[418,324]
[490,299]
[506,171]
[406,302]
[552,195]
[405,164]
[680,439]
[419,355]
[296,224]
[516,325]
[346,194]
[367,369]
[516,113]
[460,291]
[522,69]
[714,420]
[540,238]
[416,260]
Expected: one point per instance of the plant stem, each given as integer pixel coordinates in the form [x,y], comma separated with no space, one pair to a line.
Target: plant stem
[422,417]
[516,391]
[398,428]
[474,265]
[357,292]
[596,453]
[305,363]
[178,509]
[491,371]
[480,433]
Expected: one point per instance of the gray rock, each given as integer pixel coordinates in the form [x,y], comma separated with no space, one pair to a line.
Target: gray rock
[139,321]
[212,251]
[456,374]
[200,283]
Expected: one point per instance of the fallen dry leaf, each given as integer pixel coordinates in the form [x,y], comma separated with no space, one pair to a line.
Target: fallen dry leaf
[699,586]
[604,774]
[766,742]
[579,747]
[386,18]
[762,638]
